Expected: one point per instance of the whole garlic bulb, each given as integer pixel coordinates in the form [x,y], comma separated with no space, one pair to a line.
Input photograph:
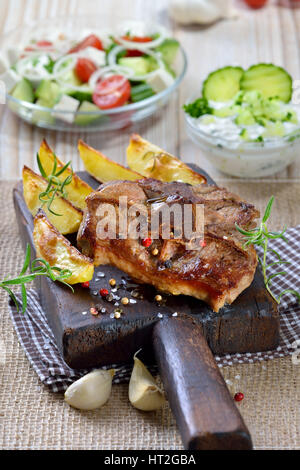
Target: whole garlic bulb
[91,391]
[144,394]
[200,11]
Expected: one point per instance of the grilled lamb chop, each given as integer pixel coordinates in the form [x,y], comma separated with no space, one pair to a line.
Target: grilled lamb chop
[216,273]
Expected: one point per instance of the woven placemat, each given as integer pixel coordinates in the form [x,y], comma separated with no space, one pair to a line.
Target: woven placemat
[33,418]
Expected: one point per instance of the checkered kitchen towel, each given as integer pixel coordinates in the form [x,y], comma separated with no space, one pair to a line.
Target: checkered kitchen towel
[38,342]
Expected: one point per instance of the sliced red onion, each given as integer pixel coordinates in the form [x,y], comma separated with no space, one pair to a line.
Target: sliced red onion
[67,68]
[36,74]
[108,71]
[144,45]
[112,60]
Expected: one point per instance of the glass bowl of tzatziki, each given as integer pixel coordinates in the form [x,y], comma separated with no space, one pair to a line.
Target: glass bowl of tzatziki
[246,122]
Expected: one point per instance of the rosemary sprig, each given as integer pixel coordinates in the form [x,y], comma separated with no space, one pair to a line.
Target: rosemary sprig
[260,236]
[38,267]
[56,187]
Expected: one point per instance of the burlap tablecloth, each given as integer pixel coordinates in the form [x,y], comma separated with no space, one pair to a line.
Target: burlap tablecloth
[33,418]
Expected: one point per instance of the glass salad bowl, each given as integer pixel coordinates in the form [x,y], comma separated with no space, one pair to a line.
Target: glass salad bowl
[73,111]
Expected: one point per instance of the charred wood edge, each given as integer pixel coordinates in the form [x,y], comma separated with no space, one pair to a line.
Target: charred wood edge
[205,412]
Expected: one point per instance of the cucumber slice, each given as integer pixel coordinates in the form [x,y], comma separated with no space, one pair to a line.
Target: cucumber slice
[223,84]
[270,80]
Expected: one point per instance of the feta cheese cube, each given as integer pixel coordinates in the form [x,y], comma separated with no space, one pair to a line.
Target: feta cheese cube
[95,55]
[66,103]
[4,65]
[10,78]
[160,80]
[13,55]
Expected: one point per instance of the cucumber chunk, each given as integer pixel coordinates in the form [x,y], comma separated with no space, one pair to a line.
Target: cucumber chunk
[152,63]
[81,96]
[223,84]
[270,80]
[23,91]
[140,65]
[49,92]
[84,120]
[245,118]
[70,78]
[168,49]
[82,93]
[274,129]
[227,111]
[39,116]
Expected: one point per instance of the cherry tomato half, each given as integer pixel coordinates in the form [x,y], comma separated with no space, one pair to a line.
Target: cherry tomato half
[84,68]
[39,44]
[138,38]
[90,41]
[112,92]
[256,3]
[136,52]
[44,44]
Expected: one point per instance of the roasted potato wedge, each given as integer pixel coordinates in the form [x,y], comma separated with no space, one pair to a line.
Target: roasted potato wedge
[33,186]
[78,189]
[58,251]
[102,168]
[153,162]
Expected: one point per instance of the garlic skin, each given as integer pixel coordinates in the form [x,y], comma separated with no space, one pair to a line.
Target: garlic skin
[144,394]
[200,11]
[91,391]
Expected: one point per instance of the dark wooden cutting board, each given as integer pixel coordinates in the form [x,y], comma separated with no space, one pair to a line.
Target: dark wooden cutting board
[250,324]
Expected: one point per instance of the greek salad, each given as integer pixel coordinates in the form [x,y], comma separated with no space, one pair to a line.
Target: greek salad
[253,105]
[100,71]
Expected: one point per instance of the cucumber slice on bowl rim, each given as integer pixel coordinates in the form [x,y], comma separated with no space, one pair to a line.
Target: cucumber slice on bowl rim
[271,80]
[222,84]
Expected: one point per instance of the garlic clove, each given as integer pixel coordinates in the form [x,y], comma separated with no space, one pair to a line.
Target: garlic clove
[144,394]
[91,391]
[200,11]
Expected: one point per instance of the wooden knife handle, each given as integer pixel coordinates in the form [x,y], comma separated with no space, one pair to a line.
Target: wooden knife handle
[206,414]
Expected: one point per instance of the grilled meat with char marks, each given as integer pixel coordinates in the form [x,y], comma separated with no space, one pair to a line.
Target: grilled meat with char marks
[217,273]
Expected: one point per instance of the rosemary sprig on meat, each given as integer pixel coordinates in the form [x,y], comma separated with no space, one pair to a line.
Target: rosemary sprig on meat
[260,236]
[38,267]
[56,187]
